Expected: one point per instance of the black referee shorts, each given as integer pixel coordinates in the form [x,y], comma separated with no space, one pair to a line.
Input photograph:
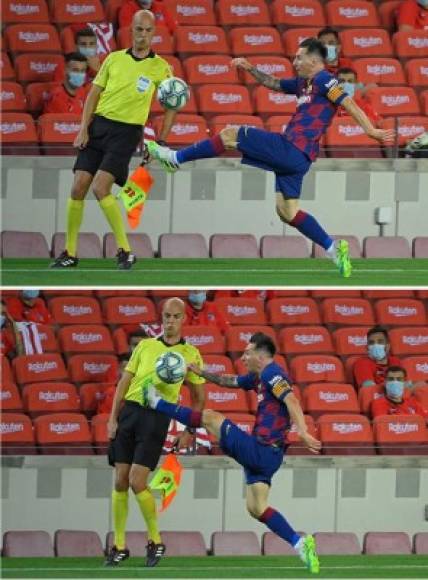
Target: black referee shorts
[140,436]
[110,148]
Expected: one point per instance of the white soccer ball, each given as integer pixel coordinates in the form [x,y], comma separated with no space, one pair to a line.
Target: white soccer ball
[173,93]
[171,367]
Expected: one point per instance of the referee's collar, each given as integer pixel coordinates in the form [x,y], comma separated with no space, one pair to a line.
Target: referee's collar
[150,55]
[181,341]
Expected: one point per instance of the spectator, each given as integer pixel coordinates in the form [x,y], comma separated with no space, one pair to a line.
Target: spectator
[29,307]
[348,79]
[86,45]
[261,295]
[70,96]
[412,15]
[370,370]
[330,39]
[200,311]
[160,10]
[396,400]
[10,339]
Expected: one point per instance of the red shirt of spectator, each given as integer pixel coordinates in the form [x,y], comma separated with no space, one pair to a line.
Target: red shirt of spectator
[258,294]
[365,106]
[412,16]
[342,62]
[159,9]
[61,101]
[201,312]
[368,370]
[7,342]
[29,308]
[408,406]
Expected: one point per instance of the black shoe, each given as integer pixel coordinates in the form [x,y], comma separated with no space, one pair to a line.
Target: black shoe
[125,260]
[64,260]
[154,553]
[115,557]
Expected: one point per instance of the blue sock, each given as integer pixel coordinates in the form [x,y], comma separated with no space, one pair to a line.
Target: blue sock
[201,150]
[279,525]
[184,415]
[309,227]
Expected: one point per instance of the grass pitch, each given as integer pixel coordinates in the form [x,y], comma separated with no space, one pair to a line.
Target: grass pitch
[217,272]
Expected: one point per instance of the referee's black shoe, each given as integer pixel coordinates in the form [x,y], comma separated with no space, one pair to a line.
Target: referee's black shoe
[154,553]
[115,556]
[64,260]
[125,260]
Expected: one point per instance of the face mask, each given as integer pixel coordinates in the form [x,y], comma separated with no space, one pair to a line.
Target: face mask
[197,298]
[394,389]
[377,351]
[30,294]
[87,51]
[145,4]
[76,79]
[2,320]
[349,88]
[331,52]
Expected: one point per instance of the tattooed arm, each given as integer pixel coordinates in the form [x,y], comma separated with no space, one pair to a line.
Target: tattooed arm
[264,79]
[230,381]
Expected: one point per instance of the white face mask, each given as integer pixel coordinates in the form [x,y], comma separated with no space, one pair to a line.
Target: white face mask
[377,351]
[331,52]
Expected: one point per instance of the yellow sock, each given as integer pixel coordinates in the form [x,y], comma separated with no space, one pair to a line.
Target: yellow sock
[147,504]
[74,221]
[120,515]
[111,210]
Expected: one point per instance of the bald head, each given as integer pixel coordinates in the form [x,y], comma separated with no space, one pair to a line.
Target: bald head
[172,317]
[174,304]
[142,17]
[143,29]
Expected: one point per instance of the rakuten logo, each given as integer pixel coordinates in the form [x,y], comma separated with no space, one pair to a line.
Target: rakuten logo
[6,428]
[402,428]
[226,98]
[346,428]
[418,42]
[64,428]
[215,368]
[72,310]
[213,69]
[131,310]
[39,367]
[415,340]
[199,38]
[308,338]
[299,11]
[395,100]
[24,9]
[281,98]
[399,312]
[5,395]
[190,10]
[351,130]
[241,310]
[353,12]
[7,95]
[422,367]
[271,69]
[381,69]
[258,39]
[10,128]
[241,10]
[200,340]
[184,129]
[53,396]
[410,130]
[86,337]
[319,368]
[79,9]
[423,70]
[66,128]
[367,41]
[330,397]
[222,397]
[357,340]
[32,37]
[291,310]
[344,310]
[43,67]
[96,368]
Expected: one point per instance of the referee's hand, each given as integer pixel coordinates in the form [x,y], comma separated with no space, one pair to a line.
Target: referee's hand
[81,139]
[111,428]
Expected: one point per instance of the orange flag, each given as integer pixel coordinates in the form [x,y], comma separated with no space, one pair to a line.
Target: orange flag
[167,479]
[134,194]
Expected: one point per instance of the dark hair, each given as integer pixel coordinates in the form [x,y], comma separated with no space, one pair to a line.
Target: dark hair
[346,70]
[314,46]
[264,342]
[84,32]
[396,369]
[376,329]
[76,56]
[328,30]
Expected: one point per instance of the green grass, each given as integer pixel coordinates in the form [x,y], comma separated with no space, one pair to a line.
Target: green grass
[209,272]
[220,567]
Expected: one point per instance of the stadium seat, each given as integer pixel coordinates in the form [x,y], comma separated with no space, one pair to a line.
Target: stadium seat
[235,544]
[10,397]
[286,13]
[337,293]
[400,312]
[201,40]
[242,310]
[386,543]
[195,13]
[407,127]
[391,101]
[382,71]
[7,377]
[47,338]
[16,435]
[417,72]
[294,36]
[424,102]
[349,341]
[12,97]
[305,340]
[420,246]
[80,338]
[388,293]
[57,397]
[186,129]
[361,42]
[225,400]
[27,544]
[27,38]
[6,70]
[273,545]
[409,341]
[347,311]
[184,543]
[400,435]
[24,11]
[345,138]
[63,434]
[388,13]
[268,102]
[176,65]
[93,368]
[233,246]
[293,310]
[351,13]
[219,122]
[314,368]
[112,10]
[323,398]
[99,433]
[16,244]
[245,13]
[140,243]
[417,368]
[251,40]
[337,543]
[56,129]
[81,11]
[36,368]
[129,310]
[182,246]
[37,94]
[295,444]
[420,543]
[277,66]
[368,394]
[75,310]
[38,67]
[135,541]
[410,44]
[77,544]
[237,337]
[215,99]
[210,68]
[90,395]
[272,246]
[345,434]
[162,43]
[221,364]
[89,245]
[18,137]
[354,247]
[207,339]
[386,247]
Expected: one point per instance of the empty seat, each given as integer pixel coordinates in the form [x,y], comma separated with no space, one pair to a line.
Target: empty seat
[91,394]
[297,13]
[85,338]
[10,397]
[416,367]
[408,44]
[237,337]
[409,341]
[314,368]
[382,71]
[283,246]
[34,368]
[345,434]
[400,435]
[80,11]
[89,245]
[347,311]
[337,543]
[135,541]
[305,340]
[201,39]
[7,377]
[294,36]
[273,545]
[77,544]
[235,544]
[242,310]
[75,310]
[182,246]
[56,129]
[368,394]
[400,312]
[359,42]
[6,70]
[268,102]
[408,127]
[349,341]
[351,13]
[140,243]
[32,38]
[225,400]
[386,247]
[354,246]
[214,99]
[295,444]
[244,13]
[386,543]
[162,42]
[233,246]
[37,94]
[420,246]
[184,543]
[99,432]
[57,397]
[27,544]
[176,65]
[195,12]
[344,134]
[424,102]
[129,310]
[221,364]
[207,339]
[417,72]
[186,129]
[293,310]
[391,101]
[277,66]
[210,68]
[38,67]
[220,122]
[63,434]
[18,134]
[420,543]
[249,40]
[16,435]
[388,13]
[323,398]
[23,244]
[17,11]
[12,97]
[93,368]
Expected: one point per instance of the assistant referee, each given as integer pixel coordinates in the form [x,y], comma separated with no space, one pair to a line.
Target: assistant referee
[138,433]
[115,111]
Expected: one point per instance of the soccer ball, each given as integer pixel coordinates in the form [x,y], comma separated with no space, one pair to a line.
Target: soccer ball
[171,367]
[173,93]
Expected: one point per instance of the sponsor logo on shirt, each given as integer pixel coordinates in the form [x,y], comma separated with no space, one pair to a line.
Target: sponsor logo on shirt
[143,83]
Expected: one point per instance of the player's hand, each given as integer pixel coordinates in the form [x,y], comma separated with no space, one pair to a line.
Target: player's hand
[111,428]
[195,369]
[241,62]
[81,139]
[383,135]
[311,443]
[184,440]
[146,155]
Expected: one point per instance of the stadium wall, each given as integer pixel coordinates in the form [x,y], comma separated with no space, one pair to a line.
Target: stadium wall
[221,196]
[355,494]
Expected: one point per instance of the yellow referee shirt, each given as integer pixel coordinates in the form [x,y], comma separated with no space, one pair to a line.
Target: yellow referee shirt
[142,366]
[129,84]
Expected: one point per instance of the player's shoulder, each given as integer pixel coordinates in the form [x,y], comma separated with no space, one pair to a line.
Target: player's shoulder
[190,350]
[326,79]
[273,374]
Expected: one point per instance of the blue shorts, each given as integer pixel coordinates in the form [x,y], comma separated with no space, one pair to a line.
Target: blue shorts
[274,152]
[260,462]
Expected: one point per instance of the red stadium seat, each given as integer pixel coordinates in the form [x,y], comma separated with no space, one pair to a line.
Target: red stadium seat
[47,338]
[218,363]
[293,310]
[343,311]
[24,11]
[368,394]
[129,310]
[409,341]
[6,70]
[27,544]
[386,247]
[99,432]
[344,134]
[176,65]
[400,312]
[297,13]
[135,541]
[337,543]
[282,246]
[233,246]
[400,435]
[140,243]
[269,102]
[382,71]
[220,122]
[32,38]
[388,13]
[57,397]
[244,13]
[38,67]
[17,128]
[57,129]
[225,400]
[195,12]
[39,368]
[237,337]
[250,40]
[420,245]
[10,397]
[235,544]
[184,543]
[85,338]
[360,42]
[207,339]
[215,99]
[162,43]
[77,544]
[242,310]
[351,13]
[314,368]
[93,368]
[386,543]
[407,127]
[7,377]
[201,40]
[294,36]
[323,398]
[80,11]
[12,97]
[335,293]
[75,310]
[210,68]
[387,293]
[395,101]
[417,72]
[410,44]
[295,445]
[349,341]
[424,102]
[186,129]
[91,394]
[88,245]
[420,543]
[112,10]
[37,94]
[182,246]
[16,435]
[416,367]
[63,434]
[277,66]
[305,340]
[345,434]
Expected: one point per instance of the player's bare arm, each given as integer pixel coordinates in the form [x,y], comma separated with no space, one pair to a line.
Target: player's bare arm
[167,123]
[230,381]
[382,135]
[121,390]
[91,103]
[197,395]
[264,79]
[297,417]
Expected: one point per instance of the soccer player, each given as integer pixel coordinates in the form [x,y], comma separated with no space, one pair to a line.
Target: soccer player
[289,155]
[117,107]
[261,453]
[138,433]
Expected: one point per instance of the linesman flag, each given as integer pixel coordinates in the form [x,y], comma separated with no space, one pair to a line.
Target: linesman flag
[167,480]
[134,194]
